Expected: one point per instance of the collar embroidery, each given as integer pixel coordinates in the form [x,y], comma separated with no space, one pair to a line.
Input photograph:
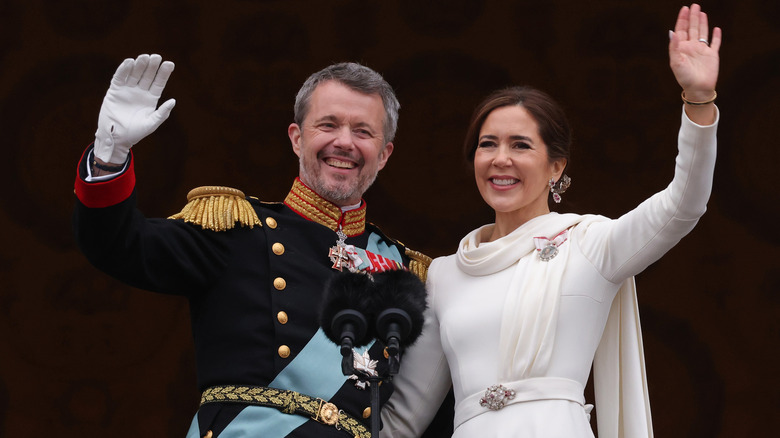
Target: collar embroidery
[307,203]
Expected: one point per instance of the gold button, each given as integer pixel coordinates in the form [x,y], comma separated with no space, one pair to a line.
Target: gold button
[366,412]
[387,355]
[277,248]
[271,222]
[282,317]
[284,352]
[280,283]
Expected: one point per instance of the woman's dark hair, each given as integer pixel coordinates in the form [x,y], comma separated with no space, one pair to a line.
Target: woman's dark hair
[553,126]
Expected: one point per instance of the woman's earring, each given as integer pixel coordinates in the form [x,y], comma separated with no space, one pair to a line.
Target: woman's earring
[560,187]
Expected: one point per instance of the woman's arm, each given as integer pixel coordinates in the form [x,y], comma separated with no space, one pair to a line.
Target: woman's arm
[423,380]
[626,246]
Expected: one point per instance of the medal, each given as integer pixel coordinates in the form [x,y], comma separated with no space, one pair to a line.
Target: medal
[338,253]
[344,256]
[548,252]
[548,248]
[364,364]
[355,259]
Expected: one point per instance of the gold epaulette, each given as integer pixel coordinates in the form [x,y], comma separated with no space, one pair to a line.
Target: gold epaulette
[419,264]
[218,208]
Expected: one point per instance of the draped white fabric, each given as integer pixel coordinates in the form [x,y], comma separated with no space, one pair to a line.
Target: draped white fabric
[530,312]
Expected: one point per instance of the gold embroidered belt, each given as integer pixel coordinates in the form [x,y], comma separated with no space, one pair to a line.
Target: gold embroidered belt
[289,402]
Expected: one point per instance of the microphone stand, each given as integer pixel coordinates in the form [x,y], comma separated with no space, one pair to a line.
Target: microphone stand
[392,325]
[352,325]
[376,405]
[373,382]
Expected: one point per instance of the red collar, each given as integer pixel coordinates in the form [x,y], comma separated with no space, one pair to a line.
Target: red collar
[307,203]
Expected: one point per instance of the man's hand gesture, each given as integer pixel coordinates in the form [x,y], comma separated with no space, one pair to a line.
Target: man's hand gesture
[129,111]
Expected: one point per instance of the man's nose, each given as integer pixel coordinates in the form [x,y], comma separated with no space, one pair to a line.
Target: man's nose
[344,138]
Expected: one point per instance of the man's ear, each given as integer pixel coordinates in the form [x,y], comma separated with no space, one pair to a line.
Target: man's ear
[294,132]
[385,155]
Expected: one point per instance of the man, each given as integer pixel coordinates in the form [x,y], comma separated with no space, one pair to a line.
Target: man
[254,272]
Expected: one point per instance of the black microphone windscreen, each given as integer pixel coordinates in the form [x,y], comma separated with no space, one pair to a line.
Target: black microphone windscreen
[346,291]
[403,290]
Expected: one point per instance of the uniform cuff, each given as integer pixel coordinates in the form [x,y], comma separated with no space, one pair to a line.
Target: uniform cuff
[103,193]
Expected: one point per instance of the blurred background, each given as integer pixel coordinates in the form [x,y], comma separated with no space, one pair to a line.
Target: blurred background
[82,355]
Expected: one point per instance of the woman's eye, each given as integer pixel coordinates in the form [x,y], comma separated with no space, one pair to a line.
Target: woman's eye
[485,144]
[521,146]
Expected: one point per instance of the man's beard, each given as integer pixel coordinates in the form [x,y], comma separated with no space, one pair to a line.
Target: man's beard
[337,193]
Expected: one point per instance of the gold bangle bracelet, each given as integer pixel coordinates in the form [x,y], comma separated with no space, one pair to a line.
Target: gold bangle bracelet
[706,102]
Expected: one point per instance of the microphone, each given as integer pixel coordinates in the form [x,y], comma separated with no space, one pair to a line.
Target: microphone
[399,303]
[388,306]
[345,313]
[394,301]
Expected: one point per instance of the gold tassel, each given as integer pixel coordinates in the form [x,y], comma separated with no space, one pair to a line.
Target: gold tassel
[419,264]
[218,208]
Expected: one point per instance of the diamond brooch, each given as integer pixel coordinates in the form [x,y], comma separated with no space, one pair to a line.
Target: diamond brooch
[496,397]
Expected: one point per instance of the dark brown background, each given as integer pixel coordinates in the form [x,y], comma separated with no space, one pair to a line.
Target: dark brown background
[81,355]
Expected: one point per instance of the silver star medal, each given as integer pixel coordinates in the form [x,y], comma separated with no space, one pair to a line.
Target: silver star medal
[364,363]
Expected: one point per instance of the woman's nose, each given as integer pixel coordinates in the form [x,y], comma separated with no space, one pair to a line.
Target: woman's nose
[502,158]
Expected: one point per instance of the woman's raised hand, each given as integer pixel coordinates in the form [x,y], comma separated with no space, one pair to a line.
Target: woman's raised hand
[693,54]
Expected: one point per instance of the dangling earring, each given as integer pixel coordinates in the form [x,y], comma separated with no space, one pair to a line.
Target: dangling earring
[560,187]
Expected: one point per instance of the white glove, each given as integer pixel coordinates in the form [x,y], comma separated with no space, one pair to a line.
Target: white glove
[129,111]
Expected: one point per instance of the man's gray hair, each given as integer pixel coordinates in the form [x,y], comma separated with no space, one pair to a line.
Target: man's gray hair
[358,78]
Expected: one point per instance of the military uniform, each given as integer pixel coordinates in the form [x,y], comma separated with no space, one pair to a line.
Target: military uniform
[254,274]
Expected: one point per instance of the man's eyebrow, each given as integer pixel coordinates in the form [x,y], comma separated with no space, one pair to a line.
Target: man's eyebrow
[327,118]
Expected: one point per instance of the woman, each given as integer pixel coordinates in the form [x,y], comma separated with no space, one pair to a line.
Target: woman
[525,306]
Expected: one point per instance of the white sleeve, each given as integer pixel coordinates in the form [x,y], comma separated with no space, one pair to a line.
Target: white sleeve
[626,246]
[423,379]
[90,178]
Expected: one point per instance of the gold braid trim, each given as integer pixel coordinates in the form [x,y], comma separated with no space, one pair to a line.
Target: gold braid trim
[218,208]
[288,402]
[304,206]
[307,203]
[419,264]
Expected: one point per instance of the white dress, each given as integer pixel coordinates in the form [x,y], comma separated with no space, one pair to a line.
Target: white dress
[554,338]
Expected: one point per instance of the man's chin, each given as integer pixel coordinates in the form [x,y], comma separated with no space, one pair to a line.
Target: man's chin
[337,187]
[335,175]
[338,193]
